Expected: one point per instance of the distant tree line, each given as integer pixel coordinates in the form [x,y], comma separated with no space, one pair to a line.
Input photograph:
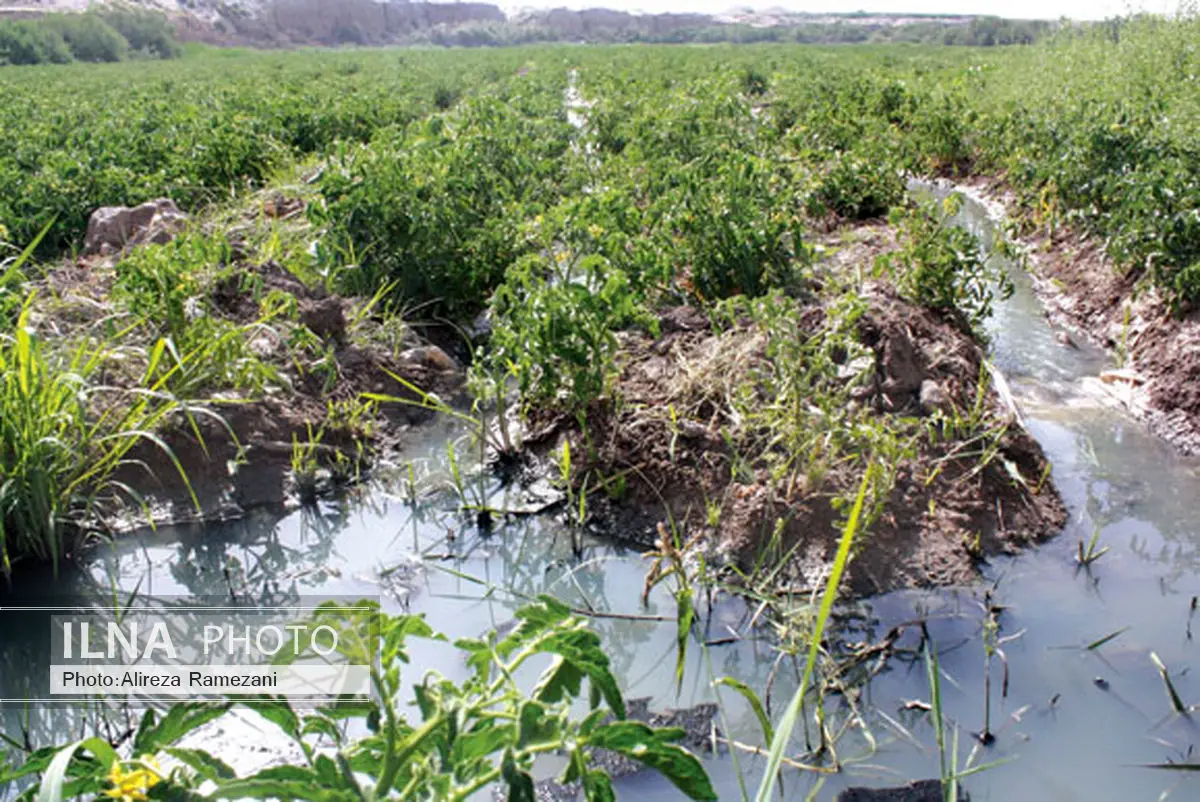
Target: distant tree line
[978,32]
[103,33]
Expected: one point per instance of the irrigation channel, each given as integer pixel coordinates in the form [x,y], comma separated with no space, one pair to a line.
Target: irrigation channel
[1077,723]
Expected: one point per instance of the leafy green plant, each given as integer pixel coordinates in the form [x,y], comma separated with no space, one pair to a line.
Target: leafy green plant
[439,213]
[485,730]
[940,266]
[554,329]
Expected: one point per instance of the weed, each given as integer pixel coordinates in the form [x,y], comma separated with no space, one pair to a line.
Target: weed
[63,435]
[787,724]
[1087,555]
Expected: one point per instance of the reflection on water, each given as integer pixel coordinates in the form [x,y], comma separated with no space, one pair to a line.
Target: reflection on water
[1070,738]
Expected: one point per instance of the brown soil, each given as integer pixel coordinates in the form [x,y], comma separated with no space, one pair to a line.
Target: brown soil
[1083,288]
[945,513]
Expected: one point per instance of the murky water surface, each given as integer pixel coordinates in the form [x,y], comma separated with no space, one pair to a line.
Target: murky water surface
[1067,738]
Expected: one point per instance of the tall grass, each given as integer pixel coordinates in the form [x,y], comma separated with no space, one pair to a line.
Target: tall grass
[63,434]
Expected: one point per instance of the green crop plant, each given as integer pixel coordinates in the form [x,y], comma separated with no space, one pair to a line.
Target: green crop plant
[439,211]
[199,129]
[940,266]
[554,330]
[456,740]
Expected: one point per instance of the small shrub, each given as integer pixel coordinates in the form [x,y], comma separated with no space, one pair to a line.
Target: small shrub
[89,36]
[554,328]
[857,186]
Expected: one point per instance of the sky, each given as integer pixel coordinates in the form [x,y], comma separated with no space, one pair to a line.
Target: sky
[1016,9]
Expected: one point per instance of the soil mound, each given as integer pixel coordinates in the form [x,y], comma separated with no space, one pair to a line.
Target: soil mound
[969,482]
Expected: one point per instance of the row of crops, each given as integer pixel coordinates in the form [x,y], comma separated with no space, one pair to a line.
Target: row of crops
[1097,130]
[201,130]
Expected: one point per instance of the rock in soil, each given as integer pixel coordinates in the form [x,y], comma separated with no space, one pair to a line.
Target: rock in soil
[325,317]
[114,228]
[918,791]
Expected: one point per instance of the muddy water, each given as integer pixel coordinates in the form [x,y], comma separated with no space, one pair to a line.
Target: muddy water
[1086,744]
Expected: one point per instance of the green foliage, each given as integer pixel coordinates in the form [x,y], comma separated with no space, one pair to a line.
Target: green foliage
[554,324]
[89,36]
[1097,129]
[105,33]
[148,32]
[29,42]
[438,211]
[63,433]
[857,185]
[940,265]
[166,290]
[486,729]
[196,130]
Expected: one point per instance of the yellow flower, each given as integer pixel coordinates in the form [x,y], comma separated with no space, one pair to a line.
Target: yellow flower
[131,785]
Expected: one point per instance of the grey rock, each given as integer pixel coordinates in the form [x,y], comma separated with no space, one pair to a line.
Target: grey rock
[115,228]
[933,397]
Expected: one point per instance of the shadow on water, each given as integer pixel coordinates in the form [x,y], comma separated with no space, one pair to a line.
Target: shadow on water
[1071,737]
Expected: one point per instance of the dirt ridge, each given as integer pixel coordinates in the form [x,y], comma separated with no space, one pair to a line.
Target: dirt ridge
[1082,289]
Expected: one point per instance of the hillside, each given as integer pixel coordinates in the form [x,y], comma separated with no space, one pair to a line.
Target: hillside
[286,23]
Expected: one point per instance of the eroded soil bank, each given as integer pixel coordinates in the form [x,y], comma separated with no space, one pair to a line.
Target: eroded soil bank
[700,449]
[740,432]
[1156,344]
[311,420]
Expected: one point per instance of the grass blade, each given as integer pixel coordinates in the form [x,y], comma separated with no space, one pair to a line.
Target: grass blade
[1176,701]
[755,704]
[1096,644]
[787,724]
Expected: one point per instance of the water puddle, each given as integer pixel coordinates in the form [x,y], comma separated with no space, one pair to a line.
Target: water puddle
[1070,736]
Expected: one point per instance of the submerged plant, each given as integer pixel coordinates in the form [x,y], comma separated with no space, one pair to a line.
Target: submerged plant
[1088,554]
